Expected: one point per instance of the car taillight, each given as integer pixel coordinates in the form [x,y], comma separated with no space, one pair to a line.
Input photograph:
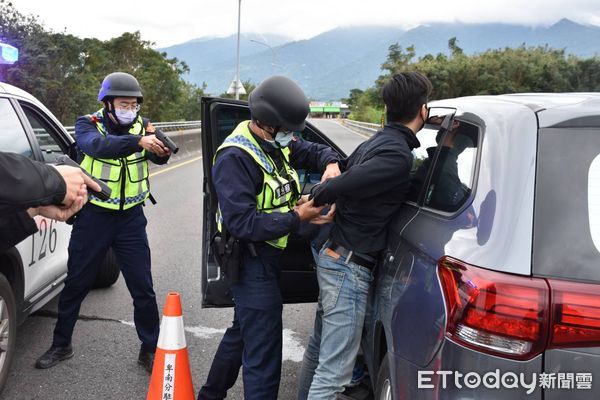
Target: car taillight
[575,314]
[495,312]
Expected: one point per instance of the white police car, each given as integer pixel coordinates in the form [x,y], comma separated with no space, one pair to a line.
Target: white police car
[32,272]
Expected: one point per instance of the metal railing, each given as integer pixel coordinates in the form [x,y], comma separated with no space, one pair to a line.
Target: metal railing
[366,128]
[178,126]
[164,126]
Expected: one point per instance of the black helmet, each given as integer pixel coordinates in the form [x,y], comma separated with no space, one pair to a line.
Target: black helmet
[279,101]
[120,84]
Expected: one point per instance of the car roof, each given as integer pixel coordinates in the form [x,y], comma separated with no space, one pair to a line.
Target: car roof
[13,91]
[552,109]
[5,88]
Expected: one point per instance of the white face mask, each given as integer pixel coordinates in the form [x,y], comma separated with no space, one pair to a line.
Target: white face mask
[284,138]
[124,116]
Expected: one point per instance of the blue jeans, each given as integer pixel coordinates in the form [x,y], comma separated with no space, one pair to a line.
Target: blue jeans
[333,346]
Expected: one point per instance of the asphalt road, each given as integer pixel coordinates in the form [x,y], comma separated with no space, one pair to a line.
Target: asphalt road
[105,341]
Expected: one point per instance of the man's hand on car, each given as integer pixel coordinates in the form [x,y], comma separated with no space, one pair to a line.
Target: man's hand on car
[74,179]
[62,213]
[152,144]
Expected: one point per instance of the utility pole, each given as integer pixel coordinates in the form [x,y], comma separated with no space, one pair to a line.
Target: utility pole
[236,85]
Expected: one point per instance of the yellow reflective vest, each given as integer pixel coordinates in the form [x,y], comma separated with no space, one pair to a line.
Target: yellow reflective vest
[280,189]
[127,177]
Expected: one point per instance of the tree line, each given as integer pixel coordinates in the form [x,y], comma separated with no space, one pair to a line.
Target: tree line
[65,72]
[508,70]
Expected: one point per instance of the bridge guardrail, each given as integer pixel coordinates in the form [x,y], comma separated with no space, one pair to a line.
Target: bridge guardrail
[164,126]
[366,128]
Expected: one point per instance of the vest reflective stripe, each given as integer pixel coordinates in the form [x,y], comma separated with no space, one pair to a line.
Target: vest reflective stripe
[279,193]
[105,172]
[131,201]
[249,144]
[127,177]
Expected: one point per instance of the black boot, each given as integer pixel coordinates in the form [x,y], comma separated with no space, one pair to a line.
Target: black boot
[146,359]
[53,356]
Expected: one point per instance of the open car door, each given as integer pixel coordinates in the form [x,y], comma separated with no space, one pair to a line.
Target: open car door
[298,276]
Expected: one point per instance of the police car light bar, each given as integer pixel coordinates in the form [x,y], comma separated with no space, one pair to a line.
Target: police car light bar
[8,54]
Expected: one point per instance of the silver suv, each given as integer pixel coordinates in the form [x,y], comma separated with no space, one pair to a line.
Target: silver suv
[493,264]
[490,286]
[32,272]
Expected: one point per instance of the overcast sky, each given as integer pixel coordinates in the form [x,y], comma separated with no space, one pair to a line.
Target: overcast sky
[168,22]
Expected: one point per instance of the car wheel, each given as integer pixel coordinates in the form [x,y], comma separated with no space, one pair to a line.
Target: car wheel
[8,328]
[108,271]
[384,381]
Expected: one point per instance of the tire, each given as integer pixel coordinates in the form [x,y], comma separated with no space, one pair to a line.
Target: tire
[108,271]
[384,381]
[8,328]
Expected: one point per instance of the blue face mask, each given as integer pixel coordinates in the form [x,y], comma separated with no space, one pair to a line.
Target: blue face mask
[283,139]
[124,116]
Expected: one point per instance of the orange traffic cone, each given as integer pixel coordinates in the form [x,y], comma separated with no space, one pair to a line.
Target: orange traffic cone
[171,374]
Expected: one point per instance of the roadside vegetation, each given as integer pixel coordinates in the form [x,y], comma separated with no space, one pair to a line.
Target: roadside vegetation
[65,72]
[508,70]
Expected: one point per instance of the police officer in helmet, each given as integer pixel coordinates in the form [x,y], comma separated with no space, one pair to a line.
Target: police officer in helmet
[258,188]
[116,143]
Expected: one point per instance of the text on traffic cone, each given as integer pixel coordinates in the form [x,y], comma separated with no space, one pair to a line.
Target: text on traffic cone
[171,374]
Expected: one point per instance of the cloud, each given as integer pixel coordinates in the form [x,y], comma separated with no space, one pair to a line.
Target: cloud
[176,21]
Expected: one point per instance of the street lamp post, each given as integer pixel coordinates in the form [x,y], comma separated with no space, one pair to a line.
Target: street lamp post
[272,51]
[237,67]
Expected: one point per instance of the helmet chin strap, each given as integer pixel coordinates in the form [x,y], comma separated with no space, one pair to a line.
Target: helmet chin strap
[109,106]
[273,134]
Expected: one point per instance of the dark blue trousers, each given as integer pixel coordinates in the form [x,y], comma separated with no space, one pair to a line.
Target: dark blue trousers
[255,338]
[94,231]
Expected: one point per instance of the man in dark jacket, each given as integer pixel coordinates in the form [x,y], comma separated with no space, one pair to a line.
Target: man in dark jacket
[373,185]
[31,188]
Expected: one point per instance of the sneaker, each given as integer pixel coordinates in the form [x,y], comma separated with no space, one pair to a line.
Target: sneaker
[53,356]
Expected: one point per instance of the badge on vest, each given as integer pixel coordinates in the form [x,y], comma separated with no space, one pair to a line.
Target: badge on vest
[283,190]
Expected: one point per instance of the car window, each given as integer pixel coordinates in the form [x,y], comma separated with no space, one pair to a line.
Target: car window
[227,119]
[452,177]
[46,135]
[567,203]
[309,178]
[422,158]
[12,135]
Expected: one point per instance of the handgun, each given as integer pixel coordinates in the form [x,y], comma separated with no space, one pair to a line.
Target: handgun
[105,192]
[167,141]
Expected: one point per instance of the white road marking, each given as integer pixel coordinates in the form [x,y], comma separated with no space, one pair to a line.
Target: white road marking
[204,332]
[292,348]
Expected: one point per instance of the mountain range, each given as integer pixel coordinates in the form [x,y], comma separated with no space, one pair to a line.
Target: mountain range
[327,66]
